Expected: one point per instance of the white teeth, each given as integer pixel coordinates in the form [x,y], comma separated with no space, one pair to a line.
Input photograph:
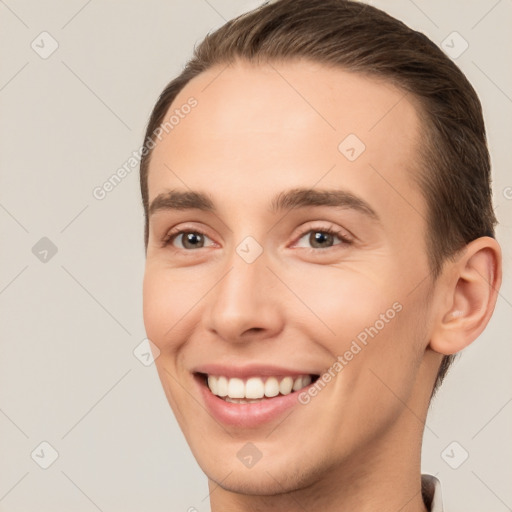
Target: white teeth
[285,388]
[240,400]
[222,386]
[236,388]
[212,384]
[255,389]
[271,387]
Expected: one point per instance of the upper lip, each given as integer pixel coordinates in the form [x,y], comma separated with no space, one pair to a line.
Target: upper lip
[250,370]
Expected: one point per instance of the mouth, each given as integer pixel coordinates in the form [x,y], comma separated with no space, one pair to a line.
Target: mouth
[255,389]
[251,395]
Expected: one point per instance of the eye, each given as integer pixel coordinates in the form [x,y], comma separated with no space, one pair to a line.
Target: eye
[186,239]
[322,238]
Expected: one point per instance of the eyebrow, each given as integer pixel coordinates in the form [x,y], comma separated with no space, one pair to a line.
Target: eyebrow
[284,201]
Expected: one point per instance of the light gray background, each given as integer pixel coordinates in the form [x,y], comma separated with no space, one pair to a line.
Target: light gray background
[68,375]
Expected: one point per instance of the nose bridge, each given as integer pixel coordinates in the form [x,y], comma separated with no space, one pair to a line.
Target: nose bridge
[243,280]
[242,300]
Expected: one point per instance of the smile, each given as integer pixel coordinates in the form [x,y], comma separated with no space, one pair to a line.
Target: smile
[250,395]
[256,389]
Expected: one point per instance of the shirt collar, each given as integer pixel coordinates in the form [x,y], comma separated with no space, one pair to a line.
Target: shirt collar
[431,492]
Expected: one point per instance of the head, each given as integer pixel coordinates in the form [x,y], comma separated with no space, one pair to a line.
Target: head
[286,105]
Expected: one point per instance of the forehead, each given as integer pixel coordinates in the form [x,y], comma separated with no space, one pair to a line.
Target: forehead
[290,124]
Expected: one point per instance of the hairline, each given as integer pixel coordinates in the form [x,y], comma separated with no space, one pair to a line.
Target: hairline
[422,145]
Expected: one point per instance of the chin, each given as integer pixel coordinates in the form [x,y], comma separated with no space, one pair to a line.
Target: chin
[264,479]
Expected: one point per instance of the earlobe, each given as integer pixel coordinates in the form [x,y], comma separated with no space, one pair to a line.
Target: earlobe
[470,293]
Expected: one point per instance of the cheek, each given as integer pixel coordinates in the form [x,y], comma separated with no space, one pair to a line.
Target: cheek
[383,374]
[373,322]
[344,301]
[166,302]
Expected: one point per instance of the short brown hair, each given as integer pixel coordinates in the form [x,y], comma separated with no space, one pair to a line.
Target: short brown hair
[455,164]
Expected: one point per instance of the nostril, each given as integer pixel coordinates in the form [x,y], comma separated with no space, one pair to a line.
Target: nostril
[254,330]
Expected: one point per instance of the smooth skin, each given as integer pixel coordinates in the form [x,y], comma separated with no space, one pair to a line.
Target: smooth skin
[257,131]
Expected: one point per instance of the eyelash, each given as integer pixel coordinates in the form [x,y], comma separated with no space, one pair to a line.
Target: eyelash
[345,240]
[169,237]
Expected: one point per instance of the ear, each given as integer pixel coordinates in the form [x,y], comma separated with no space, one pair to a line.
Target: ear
[468,295]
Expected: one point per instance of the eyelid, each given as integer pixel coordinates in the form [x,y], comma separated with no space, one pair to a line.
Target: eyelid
[176,231]
[345,236]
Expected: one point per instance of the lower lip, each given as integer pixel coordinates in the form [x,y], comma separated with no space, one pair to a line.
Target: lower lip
[248,415]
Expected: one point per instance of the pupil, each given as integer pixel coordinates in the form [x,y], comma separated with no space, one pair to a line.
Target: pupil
[193,240]
[320,238]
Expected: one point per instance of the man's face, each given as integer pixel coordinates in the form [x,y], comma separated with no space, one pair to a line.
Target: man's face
[261,294]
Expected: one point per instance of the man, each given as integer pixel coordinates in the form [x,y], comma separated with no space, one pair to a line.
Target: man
[320,243]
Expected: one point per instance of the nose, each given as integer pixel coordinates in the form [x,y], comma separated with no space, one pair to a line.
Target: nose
[244,305]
